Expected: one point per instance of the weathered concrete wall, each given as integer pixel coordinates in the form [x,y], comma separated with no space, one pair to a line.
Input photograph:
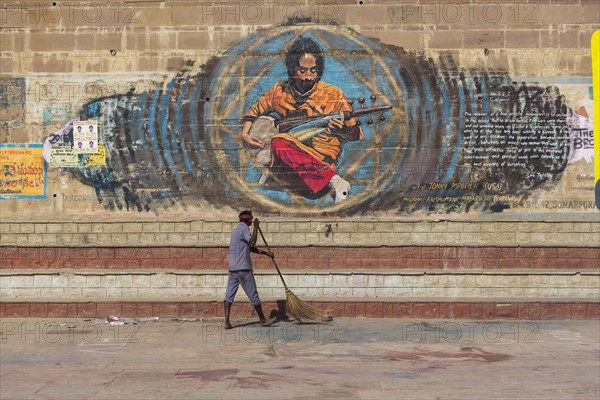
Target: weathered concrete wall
[480,173]
[153,285]
[329,233]
[492,107]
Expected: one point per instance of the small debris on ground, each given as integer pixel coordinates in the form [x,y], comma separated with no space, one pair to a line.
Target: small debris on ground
[199,319]
[114,320]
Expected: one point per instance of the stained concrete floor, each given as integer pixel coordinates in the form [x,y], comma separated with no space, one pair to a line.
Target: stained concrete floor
[344,359]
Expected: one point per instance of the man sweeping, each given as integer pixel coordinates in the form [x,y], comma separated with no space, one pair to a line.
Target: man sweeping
[240,266]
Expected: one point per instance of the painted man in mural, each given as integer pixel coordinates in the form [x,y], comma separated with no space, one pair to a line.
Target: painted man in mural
[305,164]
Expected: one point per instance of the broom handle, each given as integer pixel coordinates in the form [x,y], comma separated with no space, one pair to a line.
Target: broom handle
[272,258]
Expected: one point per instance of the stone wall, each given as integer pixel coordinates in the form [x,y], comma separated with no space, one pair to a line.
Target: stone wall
[478,188]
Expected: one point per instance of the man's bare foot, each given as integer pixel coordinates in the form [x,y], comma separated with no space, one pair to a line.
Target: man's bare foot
[267,322]
[228,325]
[341,186]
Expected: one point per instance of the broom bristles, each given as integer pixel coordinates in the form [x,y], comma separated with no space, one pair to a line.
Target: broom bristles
[300,309]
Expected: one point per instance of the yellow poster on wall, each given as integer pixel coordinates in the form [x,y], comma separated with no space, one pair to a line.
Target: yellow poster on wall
[22,172]
[97,159]
[596,84]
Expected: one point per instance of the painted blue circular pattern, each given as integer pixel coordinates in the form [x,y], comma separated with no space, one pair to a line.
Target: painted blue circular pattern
[357,65]
[178,144]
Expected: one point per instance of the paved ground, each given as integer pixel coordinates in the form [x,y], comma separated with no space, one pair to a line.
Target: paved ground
[345,359]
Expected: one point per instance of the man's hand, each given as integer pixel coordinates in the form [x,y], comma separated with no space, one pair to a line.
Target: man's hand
[342,129]
[269,254]
[336,126]
[250,140]
[256,222]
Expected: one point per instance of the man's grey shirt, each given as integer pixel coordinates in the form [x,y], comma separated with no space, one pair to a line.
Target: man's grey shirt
[239,248]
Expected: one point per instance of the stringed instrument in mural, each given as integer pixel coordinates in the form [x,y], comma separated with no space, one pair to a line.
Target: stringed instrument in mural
[303,128]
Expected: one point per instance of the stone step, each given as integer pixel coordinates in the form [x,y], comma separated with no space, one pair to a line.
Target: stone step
[452,309]
[328,258]
[76,285]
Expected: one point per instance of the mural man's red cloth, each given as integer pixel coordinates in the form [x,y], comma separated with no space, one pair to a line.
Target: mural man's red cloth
[312,159]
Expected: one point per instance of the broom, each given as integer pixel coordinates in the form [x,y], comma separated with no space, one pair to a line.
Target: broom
[299,309]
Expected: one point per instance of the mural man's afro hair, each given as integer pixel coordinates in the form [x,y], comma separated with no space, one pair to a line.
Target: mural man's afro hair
[301,47]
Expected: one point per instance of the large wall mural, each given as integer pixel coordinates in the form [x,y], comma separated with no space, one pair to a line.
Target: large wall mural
[311,119]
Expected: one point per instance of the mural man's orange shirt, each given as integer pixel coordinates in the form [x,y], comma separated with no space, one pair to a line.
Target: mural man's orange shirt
[323,98]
